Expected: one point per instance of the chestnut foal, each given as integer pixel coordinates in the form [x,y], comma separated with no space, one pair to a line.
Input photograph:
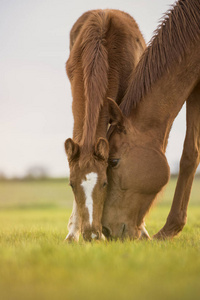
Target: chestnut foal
[167,75]
[105,46]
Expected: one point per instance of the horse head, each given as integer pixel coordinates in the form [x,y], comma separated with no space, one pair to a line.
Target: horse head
[137,171]
[88,180]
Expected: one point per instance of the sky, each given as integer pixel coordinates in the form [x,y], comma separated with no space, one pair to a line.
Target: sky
[35,95]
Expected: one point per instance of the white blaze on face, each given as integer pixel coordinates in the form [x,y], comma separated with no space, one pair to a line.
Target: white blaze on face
[88,187]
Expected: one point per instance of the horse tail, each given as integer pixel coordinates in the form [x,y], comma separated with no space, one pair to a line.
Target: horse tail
[95,66]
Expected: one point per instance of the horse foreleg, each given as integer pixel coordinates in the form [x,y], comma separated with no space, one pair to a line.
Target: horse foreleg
[188,165]
[73,225]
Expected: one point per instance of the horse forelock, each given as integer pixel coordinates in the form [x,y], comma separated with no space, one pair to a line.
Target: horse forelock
[86,160]
[176,33]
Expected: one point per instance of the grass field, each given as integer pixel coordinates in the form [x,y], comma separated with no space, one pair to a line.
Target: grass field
[35,263]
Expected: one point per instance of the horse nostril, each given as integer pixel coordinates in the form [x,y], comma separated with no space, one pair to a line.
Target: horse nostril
[122,230]
[106,231]
[86,237]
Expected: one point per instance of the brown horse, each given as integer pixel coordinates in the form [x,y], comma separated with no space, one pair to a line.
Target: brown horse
[167,75]
[105,46]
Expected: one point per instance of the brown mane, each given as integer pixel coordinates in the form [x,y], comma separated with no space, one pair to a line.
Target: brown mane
[179,29]
[93,57]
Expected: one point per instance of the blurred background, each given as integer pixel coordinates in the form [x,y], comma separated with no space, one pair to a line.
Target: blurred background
[35,95]
[35,120]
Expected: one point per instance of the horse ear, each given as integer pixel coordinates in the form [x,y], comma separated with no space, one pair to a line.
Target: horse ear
[102,149]
[71,149]
[116,115]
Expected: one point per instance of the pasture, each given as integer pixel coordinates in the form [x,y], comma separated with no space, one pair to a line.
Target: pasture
[35,263]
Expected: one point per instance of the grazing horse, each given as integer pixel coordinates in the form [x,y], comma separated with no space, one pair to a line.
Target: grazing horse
[167,75]
[105,46]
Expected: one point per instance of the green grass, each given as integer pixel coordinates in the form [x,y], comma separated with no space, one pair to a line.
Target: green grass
[35,263]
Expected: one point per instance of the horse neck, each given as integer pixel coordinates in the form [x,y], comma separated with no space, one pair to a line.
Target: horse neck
[103,121]
[78,107]
[101,130]
[158,109]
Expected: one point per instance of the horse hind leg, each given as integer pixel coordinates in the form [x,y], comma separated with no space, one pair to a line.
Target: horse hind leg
[73,225]
[188,165]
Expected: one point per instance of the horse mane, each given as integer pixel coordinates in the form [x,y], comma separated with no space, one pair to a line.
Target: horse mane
[95,72]
[90,52]
[178,31]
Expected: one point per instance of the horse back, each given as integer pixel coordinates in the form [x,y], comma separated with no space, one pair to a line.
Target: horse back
[105,46]
[124,44]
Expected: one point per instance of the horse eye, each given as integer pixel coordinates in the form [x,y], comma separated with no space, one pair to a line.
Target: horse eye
[113,162]
[71,185]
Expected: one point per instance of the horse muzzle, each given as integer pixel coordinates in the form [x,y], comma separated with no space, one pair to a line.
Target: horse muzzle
[119,233]
[122,231]
[89,235]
